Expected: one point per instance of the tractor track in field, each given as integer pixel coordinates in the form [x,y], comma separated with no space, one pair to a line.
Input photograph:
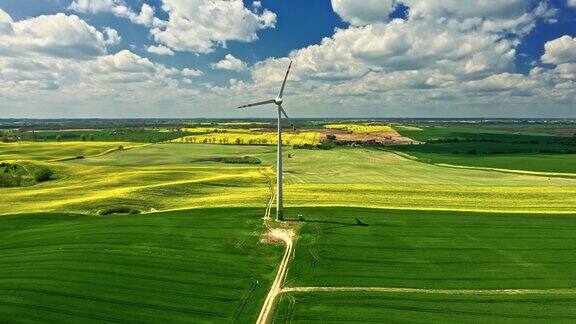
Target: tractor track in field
[487,292]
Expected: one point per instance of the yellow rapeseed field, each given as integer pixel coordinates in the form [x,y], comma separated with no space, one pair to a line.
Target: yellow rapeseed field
[252,137]
[174,176]
[361,128]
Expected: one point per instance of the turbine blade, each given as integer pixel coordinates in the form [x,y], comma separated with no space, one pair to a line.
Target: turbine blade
[258,103]
[284,82]
[286,115]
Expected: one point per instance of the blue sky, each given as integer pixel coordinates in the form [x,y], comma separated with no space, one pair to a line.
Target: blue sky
[373,58]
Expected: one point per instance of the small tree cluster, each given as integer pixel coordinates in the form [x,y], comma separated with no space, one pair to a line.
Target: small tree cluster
[43,174]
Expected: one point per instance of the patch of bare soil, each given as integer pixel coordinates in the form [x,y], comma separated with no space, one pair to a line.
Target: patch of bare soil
[382,138]
[277,235]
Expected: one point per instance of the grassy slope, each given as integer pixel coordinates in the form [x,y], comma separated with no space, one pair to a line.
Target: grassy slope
[431,133]
[517,151]
[554,163]
[413,308]
[175,154]
[167,176]
[203,265]
[107,135]
[52,151]
[443,250]
[371,178]
[176,176]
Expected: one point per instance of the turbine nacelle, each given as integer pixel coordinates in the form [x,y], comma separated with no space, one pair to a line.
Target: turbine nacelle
[278,101]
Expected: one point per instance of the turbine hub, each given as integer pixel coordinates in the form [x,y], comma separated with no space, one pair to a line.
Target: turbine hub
[278,101]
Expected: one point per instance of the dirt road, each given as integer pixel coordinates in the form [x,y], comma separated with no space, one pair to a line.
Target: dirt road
[275,234]
[279,280]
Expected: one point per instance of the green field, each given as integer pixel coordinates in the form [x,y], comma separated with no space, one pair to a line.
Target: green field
[547,163]
[492,148]
[423,308]
[46,152]
[436,252]
[100,135]
[177,267]
[431,133]
[440,250]
[372,218]
[372,178]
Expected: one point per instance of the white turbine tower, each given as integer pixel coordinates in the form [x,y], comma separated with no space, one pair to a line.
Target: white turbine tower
[278,102]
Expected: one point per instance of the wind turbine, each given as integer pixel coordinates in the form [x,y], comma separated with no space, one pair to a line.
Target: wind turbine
[278,102]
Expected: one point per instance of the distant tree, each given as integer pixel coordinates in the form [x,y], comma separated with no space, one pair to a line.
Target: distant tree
[58,138]
[83,138]
[91,138]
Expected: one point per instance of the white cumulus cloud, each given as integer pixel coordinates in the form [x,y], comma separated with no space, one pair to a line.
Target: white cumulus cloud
[160,50]
[365,11]
[57,35]
[112,36]
[119,9]
[468,9]
[230,63]
[560,50]
[188,72]
[444,50]
[198,25]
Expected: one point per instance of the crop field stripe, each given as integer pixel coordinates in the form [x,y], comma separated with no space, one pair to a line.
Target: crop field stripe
[108,300]
[66,311]
[163,280]
[86,282]
[393,307]
[489,292]
[533,173]
[138,273]
[480,168]
[49,264]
